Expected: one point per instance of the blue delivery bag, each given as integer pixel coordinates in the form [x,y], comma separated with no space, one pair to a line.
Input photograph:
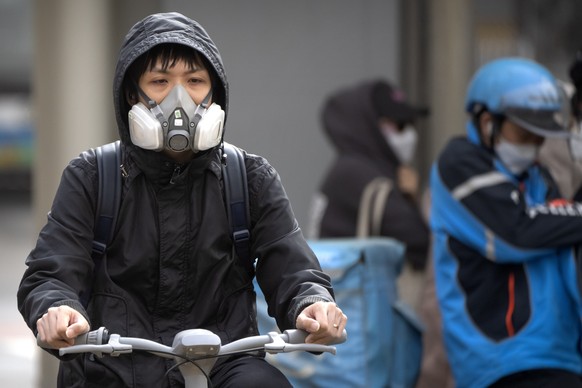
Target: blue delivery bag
[384,335]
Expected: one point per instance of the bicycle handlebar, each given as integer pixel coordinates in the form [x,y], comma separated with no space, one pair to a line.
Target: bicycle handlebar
[195,343]
[195,351]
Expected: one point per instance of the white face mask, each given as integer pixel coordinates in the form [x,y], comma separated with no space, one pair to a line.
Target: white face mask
[516,157]
[403,143]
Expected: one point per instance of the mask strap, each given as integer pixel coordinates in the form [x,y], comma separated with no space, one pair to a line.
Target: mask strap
[204,103]
[496,122]
[154,107]
[204,106]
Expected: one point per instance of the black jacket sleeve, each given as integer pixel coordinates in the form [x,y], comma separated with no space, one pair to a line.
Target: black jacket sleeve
[287,270]
[60,265]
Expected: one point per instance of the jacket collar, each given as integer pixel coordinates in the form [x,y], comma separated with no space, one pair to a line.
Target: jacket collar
[162,170]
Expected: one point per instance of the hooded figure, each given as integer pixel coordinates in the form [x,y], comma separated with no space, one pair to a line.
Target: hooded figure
[355,121]
[171,265]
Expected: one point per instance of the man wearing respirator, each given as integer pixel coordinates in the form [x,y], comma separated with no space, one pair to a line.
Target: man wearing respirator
[172,265]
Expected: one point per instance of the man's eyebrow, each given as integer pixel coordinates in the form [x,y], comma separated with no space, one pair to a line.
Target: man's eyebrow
[159,69]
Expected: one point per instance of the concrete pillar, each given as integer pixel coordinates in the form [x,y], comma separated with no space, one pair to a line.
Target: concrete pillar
[414,70]
[71,100]
[450,53]
[71,87]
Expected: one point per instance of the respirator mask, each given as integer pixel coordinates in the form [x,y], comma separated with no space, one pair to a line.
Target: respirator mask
[177,124]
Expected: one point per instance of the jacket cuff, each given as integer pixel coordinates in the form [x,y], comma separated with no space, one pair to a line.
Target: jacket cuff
[307,301]
[74,304]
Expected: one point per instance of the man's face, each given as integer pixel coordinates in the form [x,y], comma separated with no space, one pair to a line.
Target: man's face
[515,134]
[157,82]
[510,131]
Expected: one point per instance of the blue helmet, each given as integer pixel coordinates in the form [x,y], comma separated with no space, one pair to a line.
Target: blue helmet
[524,92]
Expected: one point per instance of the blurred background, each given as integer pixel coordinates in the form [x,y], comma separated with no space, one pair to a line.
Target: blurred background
[282,58]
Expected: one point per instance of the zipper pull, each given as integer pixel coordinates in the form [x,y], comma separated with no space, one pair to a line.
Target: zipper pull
[175,174]
[124,172]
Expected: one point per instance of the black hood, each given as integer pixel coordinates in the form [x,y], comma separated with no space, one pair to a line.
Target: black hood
[350,121]
[157,29]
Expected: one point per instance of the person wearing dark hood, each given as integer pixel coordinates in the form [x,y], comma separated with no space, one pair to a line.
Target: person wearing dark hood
[371,127]
[171,265]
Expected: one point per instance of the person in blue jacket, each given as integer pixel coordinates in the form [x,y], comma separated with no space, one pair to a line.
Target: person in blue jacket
[503,239]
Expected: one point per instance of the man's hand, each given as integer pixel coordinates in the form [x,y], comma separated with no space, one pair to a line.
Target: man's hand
[59,326]
[324,321]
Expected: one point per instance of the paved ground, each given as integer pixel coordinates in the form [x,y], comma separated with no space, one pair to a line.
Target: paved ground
[18,353]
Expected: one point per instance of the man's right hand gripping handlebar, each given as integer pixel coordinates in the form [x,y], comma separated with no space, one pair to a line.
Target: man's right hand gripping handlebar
[324,321]
[59,327]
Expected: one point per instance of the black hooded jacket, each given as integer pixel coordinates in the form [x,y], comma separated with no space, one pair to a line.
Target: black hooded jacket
[363,154]
[171,265]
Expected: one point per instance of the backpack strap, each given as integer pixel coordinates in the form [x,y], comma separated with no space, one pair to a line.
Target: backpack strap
[237,202]
[108,158]
[372,206]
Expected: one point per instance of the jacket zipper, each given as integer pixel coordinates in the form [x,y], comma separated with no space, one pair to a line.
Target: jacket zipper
[175,174]
[510,305]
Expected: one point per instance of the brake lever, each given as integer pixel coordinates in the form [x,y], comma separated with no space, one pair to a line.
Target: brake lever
[114,348]
[285,348]
[295,342]
[297,336]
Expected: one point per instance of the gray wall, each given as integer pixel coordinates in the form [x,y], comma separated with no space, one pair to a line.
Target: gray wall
[282,59]
[15,45]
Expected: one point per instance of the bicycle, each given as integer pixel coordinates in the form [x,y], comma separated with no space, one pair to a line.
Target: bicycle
[195,351]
